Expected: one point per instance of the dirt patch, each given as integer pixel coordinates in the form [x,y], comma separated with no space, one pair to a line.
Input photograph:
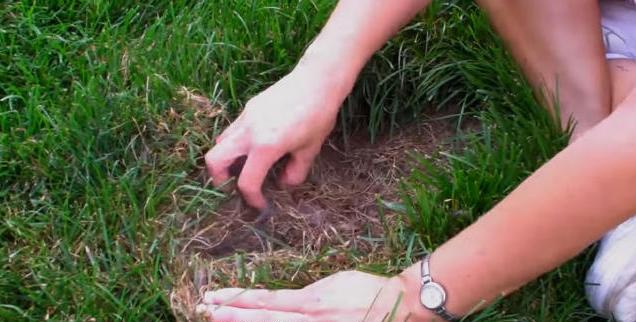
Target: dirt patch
[333,221]
[336,205]
[337,208]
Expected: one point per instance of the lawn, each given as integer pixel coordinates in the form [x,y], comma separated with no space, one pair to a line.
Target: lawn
[102,138]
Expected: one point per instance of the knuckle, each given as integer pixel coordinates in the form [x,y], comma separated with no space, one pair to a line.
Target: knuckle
[210,161]
[213,169]
[209,157]
[273,148]
[247,188]
[266,143]
[295,179]
[293,182]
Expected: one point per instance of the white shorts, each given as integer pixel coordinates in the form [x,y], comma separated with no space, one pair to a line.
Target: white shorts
[619,28]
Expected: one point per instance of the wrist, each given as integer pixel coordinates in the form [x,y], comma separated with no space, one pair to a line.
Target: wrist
[410,281]
[338,67]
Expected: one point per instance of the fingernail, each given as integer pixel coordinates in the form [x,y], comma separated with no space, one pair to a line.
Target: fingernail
[208,297]
[206,309]
[202,309]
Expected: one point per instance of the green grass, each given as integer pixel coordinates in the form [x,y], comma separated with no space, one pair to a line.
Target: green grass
[517,136]
[100,155]
[88,174]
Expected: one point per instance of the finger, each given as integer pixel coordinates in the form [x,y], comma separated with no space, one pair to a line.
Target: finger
[231,129]
[258,163]
[219,159]
[298,167]
[222,136]
[205,310]
[234,314]
[279,300]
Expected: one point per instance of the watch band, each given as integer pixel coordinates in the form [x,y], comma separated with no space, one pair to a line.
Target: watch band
[426,278]
[442,313]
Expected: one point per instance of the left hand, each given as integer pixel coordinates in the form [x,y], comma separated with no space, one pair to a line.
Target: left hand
[346,296]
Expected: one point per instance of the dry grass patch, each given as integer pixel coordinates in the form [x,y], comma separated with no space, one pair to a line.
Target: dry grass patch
[335,206]
[330,223]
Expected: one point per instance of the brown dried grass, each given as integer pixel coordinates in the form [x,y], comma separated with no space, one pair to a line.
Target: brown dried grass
[335,206]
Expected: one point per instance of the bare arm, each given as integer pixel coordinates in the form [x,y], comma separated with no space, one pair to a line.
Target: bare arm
[552,216]
[565,206]
[296,114]
[356,30]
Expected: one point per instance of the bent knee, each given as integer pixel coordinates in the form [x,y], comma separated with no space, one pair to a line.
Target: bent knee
[623,80]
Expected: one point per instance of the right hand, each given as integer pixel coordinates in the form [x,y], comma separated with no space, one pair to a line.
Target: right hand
[294,116]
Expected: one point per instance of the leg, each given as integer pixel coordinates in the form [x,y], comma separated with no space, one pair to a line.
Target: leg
[559,47]
[573,54]
[623,76]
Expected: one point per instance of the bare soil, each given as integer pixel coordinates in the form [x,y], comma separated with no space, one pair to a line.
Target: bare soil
[335,206]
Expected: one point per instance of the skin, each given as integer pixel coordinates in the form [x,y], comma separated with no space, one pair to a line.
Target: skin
[295,115]
[565,206]
[565,62]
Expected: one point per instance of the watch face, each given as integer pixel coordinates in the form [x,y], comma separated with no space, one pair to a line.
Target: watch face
[432,296]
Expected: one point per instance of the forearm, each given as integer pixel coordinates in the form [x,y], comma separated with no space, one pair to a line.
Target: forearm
[355,30]
[565,206]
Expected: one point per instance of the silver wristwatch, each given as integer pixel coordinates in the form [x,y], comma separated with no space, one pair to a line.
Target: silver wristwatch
[433,295]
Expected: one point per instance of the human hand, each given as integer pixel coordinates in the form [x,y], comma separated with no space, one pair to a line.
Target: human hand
[346,296]
[294,116]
